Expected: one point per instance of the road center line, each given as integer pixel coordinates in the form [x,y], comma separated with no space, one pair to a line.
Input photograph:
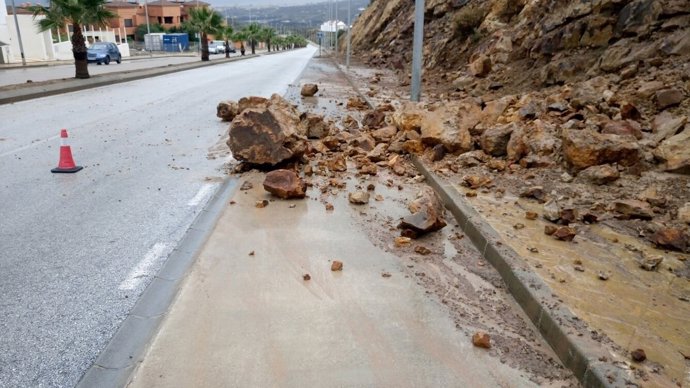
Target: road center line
[14,151]
[204,192]
[143,269]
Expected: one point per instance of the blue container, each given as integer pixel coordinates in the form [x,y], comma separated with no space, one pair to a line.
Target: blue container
[176,42]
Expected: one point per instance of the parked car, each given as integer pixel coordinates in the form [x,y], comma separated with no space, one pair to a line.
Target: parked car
[215,48]
[103,52]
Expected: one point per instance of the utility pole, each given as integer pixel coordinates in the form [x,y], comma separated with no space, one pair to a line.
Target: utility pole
[19,34]
[349,27]
[336,31]
[148,27]
[418,43]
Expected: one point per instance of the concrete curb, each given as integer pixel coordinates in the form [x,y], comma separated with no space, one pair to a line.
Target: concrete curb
[579,353]
[115,364]
[7,66]
[29,91]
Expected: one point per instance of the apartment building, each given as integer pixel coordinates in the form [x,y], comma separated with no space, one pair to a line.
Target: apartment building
[167,13]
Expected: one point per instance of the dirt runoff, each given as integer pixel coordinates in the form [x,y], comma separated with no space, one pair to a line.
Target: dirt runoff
[444,263]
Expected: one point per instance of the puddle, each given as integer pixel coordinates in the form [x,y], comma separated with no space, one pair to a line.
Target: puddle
[634,308]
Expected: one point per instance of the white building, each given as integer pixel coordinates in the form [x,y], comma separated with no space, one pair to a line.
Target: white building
[39,46]
[332,25]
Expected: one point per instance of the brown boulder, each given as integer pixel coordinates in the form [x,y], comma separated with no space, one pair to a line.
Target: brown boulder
[623,128]
[227,110]
[633,208]
[374,119]
[313,126]
[666,125]
[584,148]
[357,104]
[308,90]
[600,175]
[565,233]
[494,141]
[480,67]
[671,238]
[266,135]
[408,118]
[384,134]
[427,213]
[285,184]
[441,127]
[668,97]
[675,153]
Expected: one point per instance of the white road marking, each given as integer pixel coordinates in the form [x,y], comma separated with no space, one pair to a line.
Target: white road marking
[143,269]
[202,195]
[29,145]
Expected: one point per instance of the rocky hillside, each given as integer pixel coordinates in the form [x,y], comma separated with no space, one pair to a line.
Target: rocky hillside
[596,89]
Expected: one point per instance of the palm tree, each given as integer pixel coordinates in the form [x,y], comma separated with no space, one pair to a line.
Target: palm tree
[205,21]
[240,36]
[77,13]
[268,34]
[253,33]
[226,32]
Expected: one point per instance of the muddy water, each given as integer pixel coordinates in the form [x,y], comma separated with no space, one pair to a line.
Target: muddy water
[634,308]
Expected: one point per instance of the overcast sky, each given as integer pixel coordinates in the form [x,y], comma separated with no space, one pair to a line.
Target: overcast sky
[261,3]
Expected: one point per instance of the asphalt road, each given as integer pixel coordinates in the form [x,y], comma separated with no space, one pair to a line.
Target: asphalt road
[76,251]
[45,73]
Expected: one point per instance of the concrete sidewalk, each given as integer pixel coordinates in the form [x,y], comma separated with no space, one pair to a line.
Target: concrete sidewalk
[246,318]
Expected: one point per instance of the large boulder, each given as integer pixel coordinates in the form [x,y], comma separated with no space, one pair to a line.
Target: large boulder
[227,110]
[251,102]
[285,184]
[675,152]
[408,118]
[441,127]
[267,135]
[600,175]
[427,213]
[585,148]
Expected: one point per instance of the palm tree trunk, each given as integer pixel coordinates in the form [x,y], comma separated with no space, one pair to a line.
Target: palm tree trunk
[253,46]
[227,49]
[204,47]
[268,43]
[242,48]
[81,66]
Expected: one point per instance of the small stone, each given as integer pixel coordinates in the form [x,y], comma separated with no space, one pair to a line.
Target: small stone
[232,202]
[306,277]
[579,268]
[668,97]
[336,265]
[536,192]
[251,253]
[533,249]
[603,276]
[422,250]
[531,215]
[519,226]
[329,207]
[481,340]
[378,198]
[261,204]
[565,233]
[247,185]
[566,178]
[308,90]
[651,263]
[358,198]
[549,230]
[371,187]
[292,206]
[638,355]
[385,275]
[471,194]
[402,241]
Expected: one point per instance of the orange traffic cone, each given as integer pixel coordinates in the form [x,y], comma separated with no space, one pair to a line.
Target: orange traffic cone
[66,164]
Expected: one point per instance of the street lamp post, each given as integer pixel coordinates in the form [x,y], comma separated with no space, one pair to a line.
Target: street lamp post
[148,27]
[336,31]
[19,34]
[417,50]
[349,27]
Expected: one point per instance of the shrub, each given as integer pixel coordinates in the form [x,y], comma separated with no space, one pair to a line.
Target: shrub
[468,19]
[506,9]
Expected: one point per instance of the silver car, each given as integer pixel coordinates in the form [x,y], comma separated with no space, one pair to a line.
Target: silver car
[103,52]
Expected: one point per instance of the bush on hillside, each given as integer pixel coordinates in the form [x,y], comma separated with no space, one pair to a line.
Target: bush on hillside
[468,20]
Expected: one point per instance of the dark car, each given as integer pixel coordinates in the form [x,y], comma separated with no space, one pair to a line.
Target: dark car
[103,52]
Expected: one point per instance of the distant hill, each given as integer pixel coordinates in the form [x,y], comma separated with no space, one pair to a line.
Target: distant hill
[295,16]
